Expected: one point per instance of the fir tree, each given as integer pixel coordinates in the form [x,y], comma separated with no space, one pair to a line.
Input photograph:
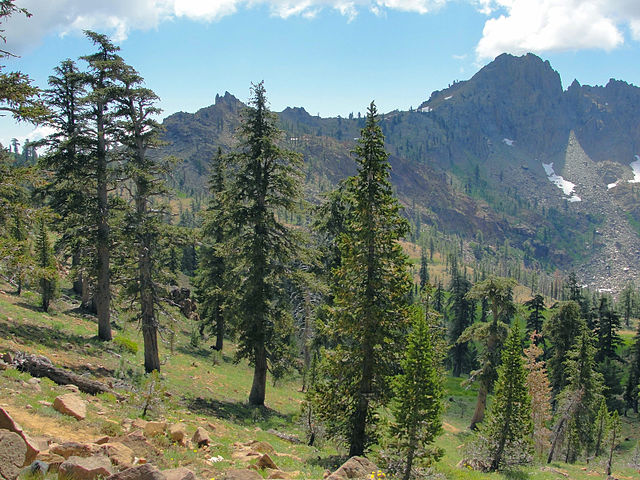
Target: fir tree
[417,406]
[507,433]
[370,290]
[633,380]
[562,329]
[460,315]
[615,428]
[601,427]
[266,179]
[424,269]
[536,314]
[540,393]
[582,377]
[606,328]
[210,276]
[46,271]
[491,335]
[138,133]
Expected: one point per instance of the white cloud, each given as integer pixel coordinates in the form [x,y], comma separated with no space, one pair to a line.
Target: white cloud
[554,25]
[119,17]
[514,26]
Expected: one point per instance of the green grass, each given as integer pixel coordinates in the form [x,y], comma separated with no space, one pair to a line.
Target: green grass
[207,389]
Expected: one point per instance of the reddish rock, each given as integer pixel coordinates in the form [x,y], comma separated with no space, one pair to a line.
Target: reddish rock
[140,472]
[153,429]
[54,461]
[72,405]
[201,437]
[85,468]
[181,473]
[262,447]
[73,449]
[13,452]
[178,433]
[7,423]
[354,468]
[265,461]
[119,454]
[243,474]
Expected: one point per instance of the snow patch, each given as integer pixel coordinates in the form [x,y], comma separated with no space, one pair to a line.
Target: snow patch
[611,185]
[635,166]
[449,97]
[565,185]
[426,109]
[508,141]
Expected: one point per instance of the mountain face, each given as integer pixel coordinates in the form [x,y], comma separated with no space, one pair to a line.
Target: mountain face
[506,156]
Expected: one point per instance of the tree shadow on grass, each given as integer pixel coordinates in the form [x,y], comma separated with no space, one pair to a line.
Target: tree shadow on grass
[515,475]
[236,412]
[40,334]
[331,462]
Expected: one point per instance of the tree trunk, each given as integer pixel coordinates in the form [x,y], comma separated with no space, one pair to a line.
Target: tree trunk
[103,293]
[150,337]
[481,404]
[358,434]
[410,455]
[77,282]
[259,386]
[219,331]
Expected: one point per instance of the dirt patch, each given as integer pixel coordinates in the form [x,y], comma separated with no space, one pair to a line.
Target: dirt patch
[447,427]
[39,425]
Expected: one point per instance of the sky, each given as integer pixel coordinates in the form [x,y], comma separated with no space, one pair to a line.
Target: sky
[331,57]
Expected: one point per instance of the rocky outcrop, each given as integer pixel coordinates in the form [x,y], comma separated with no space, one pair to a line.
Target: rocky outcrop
[140,472]
[71,404]
[8,423]
[13,452]
[355,468]
[241,474]
[85,468]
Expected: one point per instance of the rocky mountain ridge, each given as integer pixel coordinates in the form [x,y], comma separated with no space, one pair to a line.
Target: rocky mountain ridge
[469,161]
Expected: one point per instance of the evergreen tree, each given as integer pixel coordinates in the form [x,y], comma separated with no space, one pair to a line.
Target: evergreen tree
[562,329]
[633,380]
[265,180]
[102,76]
[536,314]
[138,133]
[573,291]
[540,392]
[210,276]
[71,188]
[616,427]
[507,433]
[17,94]
[601,427]
[491,335]
[424,269]
[46,265]
[582,377]
[371,287]
[606,329]
[417,406]
[461,315]
[438,298]
[628,302]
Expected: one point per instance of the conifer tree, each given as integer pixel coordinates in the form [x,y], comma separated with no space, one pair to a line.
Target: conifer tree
[615,428]
[46,271]
[438,298]
[461,314]
[266,180]
[417,405]
[601,427]
[370,290]
[491,335]
[210,276]
[606,328]
[424,269]
[138,133]
[633,380]
[628,303]
[536,315]
[561,330]
[103,68]
[507,432]
[582,377]
[540,393]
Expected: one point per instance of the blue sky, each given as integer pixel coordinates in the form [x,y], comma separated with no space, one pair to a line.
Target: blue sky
[330,56]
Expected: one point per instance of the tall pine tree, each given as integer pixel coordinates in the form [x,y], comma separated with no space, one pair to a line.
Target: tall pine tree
[266,180]
[370,289]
